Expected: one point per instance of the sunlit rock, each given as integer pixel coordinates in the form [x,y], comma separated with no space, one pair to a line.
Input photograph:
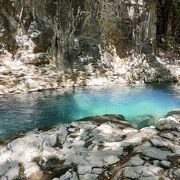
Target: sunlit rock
[109,43]
[136,161]
[168,123]
[155,153]
[90,149]
[67,175]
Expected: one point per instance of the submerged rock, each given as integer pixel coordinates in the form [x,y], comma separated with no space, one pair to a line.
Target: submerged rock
[143,120]
[95,147]
[173,113]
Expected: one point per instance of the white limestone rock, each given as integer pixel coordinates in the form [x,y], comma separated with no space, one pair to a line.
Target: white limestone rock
[105,129]
[31,168]
[95,161]
[168,135]
[5,161]
[74,176]
[177,173]
[111,160]
[155,153]
[33,84]
[168,123]
[132,172]
[97,170]
[84,169]
[158,141]
[129,132]
[33,58]
[51,139]
[166,164]
[12,173]
[93,148]
[176,149]
[150,178]
[134,140]
[116,146]
[66,176]
[62,133]
[88,177]
[151,170]
[136,161]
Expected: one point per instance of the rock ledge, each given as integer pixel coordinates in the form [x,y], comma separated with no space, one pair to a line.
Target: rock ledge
[101,147]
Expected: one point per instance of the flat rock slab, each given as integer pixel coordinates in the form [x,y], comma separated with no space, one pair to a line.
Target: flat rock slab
[95,148]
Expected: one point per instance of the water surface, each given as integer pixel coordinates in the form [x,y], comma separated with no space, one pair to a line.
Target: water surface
[139,105]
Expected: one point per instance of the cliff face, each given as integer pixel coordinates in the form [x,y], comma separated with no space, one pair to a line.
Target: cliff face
[114,40]
[80,28]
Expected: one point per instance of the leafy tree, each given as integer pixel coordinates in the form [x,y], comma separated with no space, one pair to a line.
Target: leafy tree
[168,23]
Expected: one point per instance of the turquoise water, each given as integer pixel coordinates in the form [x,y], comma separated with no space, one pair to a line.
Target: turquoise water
[139,105]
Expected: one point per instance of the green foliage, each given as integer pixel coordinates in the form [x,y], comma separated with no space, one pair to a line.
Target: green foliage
[21,175]
[170,41]
[21,171]
[167,41]
[176,4]
[168,23]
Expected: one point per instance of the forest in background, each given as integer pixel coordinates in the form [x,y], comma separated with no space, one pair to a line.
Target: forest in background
[168,24]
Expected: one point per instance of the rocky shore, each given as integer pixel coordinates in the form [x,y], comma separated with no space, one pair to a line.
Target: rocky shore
[30,72]
[101,147]
[88,43]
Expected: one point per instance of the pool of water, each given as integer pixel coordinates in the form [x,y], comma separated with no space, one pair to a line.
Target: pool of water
[139,105]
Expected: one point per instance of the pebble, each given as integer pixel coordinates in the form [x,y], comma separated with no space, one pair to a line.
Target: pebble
[166,163]
[67,175]
[136,161]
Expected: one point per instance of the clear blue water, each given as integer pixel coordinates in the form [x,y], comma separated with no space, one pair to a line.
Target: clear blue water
[139,105]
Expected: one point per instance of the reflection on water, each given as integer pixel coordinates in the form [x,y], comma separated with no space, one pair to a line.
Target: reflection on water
[139,105]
